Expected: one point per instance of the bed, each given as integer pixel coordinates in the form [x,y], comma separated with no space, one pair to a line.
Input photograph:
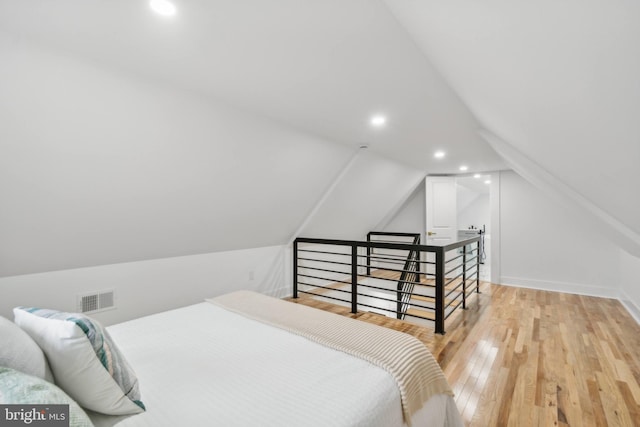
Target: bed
[244,359]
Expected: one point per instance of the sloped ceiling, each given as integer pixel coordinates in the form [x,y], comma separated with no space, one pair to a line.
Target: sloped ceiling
[97,168]
[556,82]
[323,67]
[127,136]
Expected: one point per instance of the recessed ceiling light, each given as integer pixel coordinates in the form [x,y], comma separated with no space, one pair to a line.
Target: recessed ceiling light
[488,181]
[163,7]
[476,176]
[378,120]
[439,154]
[463,168]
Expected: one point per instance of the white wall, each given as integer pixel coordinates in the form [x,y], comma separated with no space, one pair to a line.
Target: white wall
[549,246]
[630,283]
[147,287]
[371,188]
[410,218]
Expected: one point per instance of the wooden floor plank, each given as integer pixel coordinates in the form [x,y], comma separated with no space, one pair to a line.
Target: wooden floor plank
[526,357]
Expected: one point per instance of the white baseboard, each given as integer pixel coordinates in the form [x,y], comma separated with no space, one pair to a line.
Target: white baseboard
[579,289]
[631,306]
[569,288]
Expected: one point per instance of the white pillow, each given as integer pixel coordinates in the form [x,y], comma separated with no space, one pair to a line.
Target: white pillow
[85,362]
[20,352]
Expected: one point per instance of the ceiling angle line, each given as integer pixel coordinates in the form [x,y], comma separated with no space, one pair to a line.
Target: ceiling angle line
[549,184]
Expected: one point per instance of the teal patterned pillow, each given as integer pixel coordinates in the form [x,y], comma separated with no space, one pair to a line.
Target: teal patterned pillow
[85,361]
[19,388]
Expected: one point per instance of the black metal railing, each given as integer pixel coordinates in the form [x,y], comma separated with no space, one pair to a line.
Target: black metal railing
[411,269]
[424,282]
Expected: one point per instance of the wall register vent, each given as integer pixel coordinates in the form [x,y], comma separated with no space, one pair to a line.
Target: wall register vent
[96,301]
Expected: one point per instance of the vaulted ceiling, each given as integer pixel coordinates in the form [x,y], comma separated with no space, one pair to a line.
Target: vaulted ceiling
[199,132]
[323,67]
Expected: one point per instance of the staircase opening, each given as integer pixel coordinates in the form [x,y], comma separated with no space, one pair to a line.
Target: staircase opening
[420,283]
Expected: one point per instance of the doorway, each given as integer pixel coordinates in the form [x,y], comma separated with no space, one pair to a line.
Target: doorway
[474,215]
[464,205]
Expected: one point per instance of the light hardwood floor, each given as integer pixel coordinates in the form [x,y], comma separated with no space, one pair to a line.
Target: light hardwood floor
[521,357]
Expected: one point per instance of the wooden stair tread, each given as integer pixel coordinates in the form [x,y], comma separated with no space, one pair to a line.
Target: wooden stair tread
[433,300]
[431,315]
[421,298]
[447,287]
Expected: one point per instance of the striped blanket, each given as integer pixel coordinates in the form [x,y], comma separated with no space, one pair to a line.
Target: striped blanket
[411,364]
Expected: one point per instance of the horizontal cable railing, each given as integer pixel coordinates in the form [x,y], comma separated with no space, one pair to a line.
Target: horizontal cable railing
[396,279]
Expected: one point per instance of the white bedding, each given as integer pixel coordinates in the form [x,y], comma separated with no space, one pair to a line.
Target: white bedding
[204,366]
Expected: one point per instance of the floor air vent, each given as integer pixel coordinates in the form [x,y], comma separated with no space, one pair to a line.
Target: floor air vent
[96,301]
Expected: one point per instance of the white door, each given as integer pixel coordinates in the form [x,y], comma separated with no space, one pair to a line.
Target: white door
[441,209]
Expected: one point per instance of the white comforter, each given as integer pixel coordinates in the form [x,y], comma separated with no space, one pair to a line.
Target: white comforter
[204,366]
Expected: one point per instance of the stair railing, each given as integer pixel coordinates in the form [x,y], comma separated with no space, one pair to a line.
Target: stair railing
[408,279]
[410,271]
[352,273]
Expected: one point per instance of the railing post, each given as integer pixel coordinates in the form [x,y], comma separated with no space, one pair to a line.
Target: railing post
[399,298]
[368,254]
[440,291]
[295,268]
[464,277]
[478,268]
[416,241]
[354,278]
